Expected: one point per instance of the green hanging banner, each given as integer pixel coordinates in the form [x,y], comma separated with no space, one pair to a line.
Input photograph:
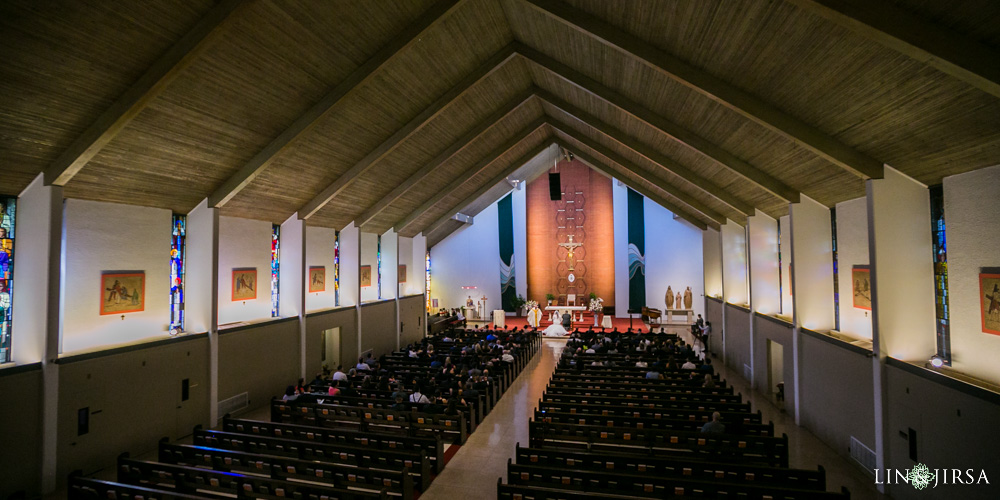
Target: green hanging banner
[508,286]
[636,252]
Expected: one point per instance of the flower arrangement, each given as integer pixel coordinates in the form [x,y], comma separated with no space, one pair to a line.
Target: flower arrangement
[596,304]
[531,304]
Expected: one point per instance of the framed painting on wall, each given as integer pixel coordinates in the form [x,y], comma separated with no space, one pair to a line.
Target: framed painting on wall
[401,273]
[366,276]
[317,279]
[861,285]
[123,292]
[989,298]
[244,284]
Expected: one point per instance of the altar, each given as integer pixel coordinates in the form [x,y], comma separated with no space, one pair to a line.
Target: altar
[556,312]
[668,317]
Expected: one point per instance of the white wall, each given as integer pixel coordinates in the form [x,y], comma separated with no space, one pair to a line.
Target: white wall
[349,265]
[812,255]
[405,252]
[389,269]
[712,259]
[785,224]
[764,283]
[852,250]
[292,274]
[320,252]
[102,237]
[419,261]
[972,222]
[369,252]
[899,221]
[734,263]
[244,243]
[673,257]
[469,257]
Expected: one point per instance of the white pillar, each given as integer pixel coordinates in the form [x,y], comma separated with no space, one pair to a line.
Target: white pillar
[812,277]
[899,246]
[36,315]
[292,279]
[201,286]
[764,283]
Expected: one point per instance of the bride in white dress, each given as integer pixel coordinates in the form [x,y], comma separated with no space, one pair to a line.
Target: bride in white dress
[555,330]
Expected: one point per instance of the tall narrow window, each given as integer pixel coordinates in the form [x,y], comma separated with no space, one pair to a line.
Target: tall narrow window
[275,267]
[178,237]
[940,246]
[336,269]
[378,264]
[8,210]
[836,268]
[427,278]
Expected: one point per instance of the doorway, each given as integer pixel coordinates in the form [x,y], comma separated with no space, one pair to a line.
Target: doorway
[776,370]
[331,348]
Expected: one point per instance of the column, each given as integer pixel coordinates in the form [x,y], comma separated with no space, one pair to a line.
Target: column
[201,305]
[292,279]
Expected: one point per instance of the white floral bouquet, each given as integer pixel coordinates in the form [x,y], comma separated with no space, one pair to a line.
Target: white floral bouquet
[597,305]
[531,304]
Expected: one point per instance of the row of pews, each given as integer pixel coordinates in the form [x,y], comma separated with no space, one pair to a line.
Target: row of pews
[603,430]
[323,447]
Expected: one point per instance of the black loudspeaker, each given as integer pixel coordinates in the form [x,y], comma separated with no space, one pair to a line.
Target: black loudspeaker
[555,188]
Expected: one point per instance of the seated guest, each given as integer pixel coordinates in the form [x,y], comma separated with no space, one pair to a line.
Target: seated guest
[400,404]
[709,382]
[339,374]
[689,365]
[319,380]
[418,397]
[641,364]
[289,394]
[334,389]
[362,366]
[300,388]
[653,375]
[715,426]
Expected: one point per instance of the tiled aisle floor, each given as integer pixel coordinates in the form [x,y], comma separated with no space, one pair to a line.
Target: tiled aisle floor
[474,470]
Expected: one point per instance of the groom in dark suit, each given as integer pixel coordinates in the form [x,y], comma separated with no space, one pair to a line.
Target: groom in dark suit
[567,320]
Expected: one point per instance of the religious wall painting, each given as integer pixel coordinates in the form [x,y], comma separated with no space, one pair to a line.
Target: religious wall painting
[989,298]
[861,284]
[244,284]
[123,292]
[366,276]
[401,273]
[317,279]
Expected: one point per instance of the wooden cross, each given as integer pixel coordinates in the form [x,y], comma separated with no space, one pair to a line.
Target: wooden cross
[570,247]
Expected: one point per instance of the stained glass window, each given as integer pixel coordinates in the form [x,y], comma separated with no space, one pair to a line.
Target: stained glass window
[781,293]
[940,246]
[378,264]
[177,254]
[427,279]
[275,247]
[336,269]
[836,267]
[8,209]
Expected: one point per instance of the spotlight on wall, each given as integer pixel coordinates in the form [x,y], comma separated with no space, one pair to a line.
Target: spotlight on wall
[937,362]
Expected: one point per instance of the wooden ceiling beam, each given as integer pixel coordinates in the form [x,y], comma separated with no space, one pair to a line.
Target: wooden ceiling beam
[693,206]
[748,105]
[369,214]
[614,173]
[468,200]
[942,49]
[305,122]
[468,174]
[150,85]
[338,186]
[674,131]
[649,153]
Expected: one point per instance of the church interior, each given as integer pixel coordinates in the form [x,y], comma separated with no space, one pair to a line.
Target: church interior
[513,249]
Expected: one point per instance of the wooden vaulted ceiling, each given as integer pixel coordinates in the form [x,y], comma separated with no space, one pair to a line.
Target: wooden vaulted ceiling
[400,114]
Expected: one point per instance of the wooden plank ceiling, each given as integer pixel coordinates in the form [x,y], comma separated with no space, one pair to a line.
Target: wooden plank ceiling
[399,114]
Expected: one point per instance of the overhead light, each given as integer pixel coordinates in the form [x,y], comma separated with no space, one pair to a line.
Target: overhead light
[937,362]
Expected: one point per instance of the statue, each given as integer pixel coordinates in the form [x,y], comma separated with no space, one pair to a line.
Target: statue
[688,299]
[669,299]
[680,300]
[469,302]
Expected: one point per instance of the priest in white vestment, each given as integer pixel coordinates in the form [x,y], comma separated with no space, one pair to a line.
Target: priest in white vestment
[534,317]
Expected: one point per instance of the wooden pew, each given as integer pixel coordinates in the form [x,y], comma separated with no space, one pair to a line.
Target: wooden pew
[366,419]
[702,416]
[396,482]
[647,403]
[193,480]
[81,488]
[430,445]
[417,462]
[631,422]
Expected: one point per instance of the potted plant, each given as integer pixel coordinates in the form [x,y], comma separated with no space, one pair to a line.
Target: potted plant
[549,298]
[518,303]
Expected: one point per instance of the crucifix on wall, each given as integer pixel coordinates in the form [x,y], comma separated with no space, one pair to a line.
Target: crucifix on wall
[570,247]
